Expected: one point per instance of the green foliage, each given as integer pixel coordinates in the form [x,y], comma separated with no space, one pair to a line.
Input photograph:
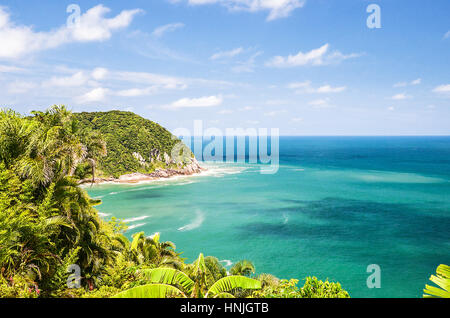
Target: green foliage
[151,291]
[149,250]
[313,288]
[15,134]
[169,276]
[216,270]
[126,133]
[442,279]
[101,292]
[229,283]
[26,241]
[169,282]
[47,221]
[244,267]
[18,287]
[275,288]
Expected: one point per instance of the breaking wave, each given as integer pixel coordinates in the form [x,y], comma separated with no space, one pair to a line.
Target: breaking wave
[197,222]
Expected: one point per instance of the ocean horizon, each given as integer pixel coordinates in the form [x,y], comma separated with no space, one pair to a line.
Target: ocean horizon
[335,206]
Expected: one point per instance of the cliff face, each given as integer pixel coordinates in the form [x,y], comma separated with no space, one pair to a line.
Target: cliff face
[135,145]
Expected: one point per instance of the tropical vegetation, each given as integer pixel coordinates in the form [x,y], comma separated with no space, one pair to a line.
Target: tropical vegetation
[441,279]
[135,144]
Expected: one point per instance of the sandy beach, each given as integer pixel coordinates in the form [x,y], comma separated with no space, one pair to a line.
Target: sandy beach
[136,177]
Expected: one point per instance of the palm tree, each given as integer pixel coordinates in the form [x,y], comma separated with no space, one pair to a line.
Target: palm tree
[87,231]
[26,242]
[215,269]
[149,250]
[244,268]
[15,133]
[268,280]
[442,279]
[54,149]
[41,154]
[169,282]
[95,149]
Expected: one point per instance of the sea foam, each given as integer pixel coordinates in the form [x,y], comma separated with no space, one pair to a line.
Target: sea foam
[197,222]
[227,262]
[138,218]
[135,226]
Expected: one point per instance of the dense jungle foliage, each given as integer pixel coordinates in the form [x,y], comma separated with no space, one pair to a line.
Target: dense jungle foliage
[54,244]
[126,133]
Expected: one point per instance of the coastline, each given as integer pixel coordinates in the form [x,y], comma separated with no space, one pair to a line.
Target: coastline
[136,177]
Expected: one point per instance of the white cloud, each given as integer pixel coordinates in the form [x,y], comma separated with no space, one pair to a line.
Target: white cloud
[96,95]
[144,78]
[159,31]
[447,35]
[136,92]
[225,112]
[391,108]
[207,101]
[274,102]
[19,40]
[277,8]
[401,96]
[328,89]
[305,87]
[77,79]
[99,73]
[90,85]
[274,113]
[227,54]
[247,66]
[94,27]
[321,103]
[442,89]
[10,69]
[20,87]
[412,83]
[401,84]
[315,57]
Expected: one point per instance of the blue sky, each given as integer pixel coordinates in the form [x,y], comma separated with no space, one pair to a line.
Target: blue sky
[306,67]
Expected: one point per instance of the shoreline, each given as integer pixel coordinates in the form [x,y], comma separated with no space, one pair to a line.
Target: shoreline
[137,177]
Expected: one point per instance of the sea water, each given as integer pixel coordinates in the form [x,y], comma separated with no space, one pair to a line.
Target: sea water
[335,206]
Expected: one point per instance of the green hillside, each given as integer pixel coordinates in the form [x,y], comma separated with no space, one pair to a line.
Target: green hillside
[125,134]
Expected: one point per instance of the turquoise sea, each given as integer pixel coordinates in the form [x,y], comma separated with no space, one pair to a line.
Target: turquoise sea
[336,205]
